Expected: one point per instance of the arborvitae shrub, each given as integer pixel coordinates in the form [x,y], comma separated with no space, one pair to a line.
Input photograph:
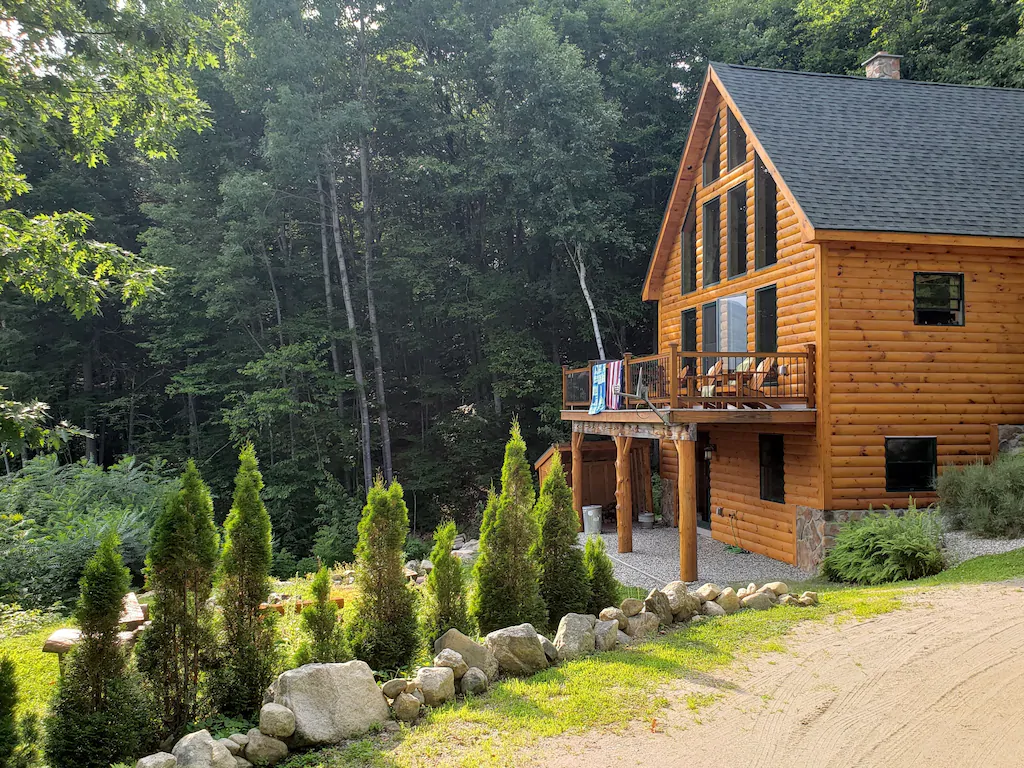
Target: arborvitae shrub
[248,655]
[382,629]
[445,596]
[564,584]
[174,652]
[8,703]
[324,640]
[98,715]
[507,575]
[604,589]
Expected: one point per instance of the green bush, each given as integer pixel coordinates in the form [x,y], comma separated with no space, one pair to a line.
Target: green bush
[986,499]
[507,575]
[604,589]
[324,642]
[284,565]
[338,532]
[416,548]
[564,583]
[885,548]
[444,599]
[8,703]
[382,629]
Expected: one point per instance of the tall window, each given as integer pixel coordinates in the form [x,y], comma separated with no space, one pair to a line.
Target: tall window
[910,464]
[712,166]
[766,330]
[708,334]
[773,468]
[736,142]
[732,324]
[689,339]
[766,233]
[711,244]
[938,298]
[688,247]
[736,221]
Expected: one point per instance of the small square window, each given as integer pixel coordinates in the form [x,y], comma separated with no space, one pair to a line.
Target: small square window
[910,464]
[773,473]
[938,298]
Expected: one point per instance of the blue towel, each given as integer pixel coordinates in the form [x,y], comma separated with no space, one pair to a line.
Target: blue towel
[598,388]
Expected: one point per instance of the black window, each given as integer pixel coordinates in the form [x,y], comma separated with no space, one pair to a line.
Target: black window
[712,168]
[709,334]
[773,473]
[689,339]
[688,247]
[910,464]
[712,246]
[736,142]
[736,220]
[766,323]
[766,231]
[938,298]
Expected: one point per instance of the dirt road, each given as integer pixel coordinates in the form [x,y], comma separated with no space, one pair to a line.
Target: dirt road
[938,684]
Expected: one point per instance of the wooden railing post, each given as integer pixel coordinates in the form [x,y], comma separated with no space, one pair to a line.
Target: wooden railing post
[809,379]
[673,375]
[565,387]
[626,357]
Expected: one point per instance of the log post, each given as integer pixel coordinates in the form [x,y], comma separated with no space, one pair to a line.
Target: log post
[577,475]
[809,378]
[686,450]
[623,500]
[565,388]
[673,375]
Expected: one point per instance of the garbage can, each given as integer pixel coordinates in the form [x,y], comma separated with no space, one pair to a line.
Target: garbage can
[592,519]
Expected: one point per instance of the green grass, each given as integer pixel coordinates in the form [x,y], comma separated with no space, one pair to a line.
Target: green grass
[37,672]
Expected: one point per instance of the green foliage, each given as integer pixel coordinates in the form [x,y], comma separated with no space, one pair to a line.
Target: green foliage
[8,703]
[248,651]
[284,565]
[444,600]
[506,573]
[883,548]
[174,651]
[416,548]
[335,540]
[604,589]
[381,627]
[221,726]
[986,499]
[564,582]
[325,641]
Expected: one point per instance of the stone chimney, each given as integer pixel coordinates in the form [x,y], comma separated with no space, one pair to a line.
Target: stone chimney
[885,66]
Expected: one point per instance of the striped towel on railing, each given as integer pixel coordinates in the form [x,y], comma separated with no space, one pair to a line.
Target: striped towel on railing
[614,389]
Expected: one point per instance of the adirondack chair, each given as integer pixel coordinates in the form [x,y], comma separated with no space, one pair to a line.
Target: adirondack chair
[707,385]
[752,387]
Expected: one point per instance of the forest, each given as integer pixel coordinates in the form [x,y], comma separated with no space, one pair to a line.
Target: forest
[365,236]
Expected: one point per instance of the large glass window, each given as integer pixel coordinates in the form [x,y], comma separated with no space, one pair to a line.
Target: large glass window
[766,322]
[766,233]
[910,464]
[736,221]
[938,298]
[732,318]
[712,165]
[688,247]
[773,467]
[689,339]
[712,253]
[736,141]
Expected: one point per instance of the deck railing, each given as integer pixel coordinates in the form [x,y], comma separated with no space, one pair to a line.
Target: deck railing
[690,379]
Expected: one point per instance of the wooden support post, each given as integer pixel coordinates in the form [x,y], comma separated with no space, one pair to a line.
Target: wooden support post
[687,452]
[623,494]
[577,475]
[673,375]
[809,379]
[565,391]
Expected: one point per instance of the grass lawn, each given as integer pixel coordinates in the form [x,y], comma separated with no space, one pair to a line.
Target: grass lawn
[619,689]
[36,671]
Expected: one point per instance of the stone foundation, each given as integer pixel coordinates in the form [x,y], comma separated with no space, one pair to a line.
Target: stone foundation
[1011,438]
[816,531]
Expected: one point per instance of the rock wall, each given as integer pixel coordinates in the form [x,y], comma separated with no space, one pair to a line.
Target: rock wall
[1011,438]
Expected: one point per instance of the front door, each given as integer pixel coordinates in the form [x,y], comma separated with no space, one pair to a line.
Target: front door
[703,481]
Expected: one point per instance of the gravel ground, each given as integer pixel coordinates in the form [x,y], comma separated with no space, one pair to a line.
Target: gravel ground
[961,545]
[654,561]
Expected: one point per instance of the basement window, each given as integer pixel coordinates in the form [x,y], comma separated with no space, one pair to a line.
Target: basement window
[773,473]
[910,464]
[938,298]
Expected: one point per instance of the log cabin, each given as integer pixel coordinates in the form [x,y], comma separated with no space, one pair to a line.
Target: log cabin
[839,281]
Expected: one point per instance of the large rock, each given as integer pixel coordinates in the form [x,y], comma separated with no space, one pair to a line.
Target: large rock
[789,600]
[474,682]
[622,638]
[810,597]
[758,601]
[615,614]
[517,649]
[711,608]
[680,601]
[643,625]
[201,750]
[549,650]
[728,600]
[331,702]
[277,721]
[263,749]
[159,760]
[239,738]
[406,707]
[606,635]
[778,587]
[631,606]
[232,746]
[392,688]
[453,659]
[657,603]
[474,654]
[708,592]
[575,635]
[241,762]
[437,684]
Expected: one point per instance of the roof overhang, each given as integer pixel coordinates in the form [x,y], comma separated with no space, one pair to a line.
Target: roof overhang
[913,238]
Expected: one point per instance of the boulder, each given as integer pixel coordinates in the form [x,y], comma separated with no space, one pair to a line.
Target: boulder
[622,638]
[392,688]
[643,625]
[263,749]
[159,760]
[239,738]
[742,593]
[615,614]
[767,592]
[406,707]
[201,750]
[575,636]
[232,746]
[728,600]
[417,694]
[631,606]
[241,762]
[811,596]
[711,608]
[518,650]
[277,721]
[806,602]
[474,654]
[778,587]
[606,635]
[758,601]
[474,682]
[426,566]
[549,650]
[331,702]
[751,588]
[708,592]
[657,603]
[789,600]
[683,603]
[437,684]
[453,659]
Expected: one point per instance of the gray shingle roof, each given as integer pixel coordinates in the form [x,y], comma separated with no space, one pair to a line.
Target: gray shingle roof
[890,155]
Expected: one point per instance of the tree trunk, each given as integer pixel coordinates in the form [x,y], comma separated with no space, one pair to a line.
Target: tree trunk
[576,258]
[193,426]
[87,390]
[357,360]
[328,292]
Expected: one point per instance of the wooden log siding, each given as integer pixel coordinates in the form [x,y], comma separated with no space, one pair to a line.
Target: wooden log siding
[887,376]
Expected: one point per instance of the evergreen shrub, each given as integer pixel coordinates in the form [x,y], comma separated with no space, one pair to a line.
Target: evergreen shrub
[986,499]
[564,583]
[604,589]
[324,642]
[444,599]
